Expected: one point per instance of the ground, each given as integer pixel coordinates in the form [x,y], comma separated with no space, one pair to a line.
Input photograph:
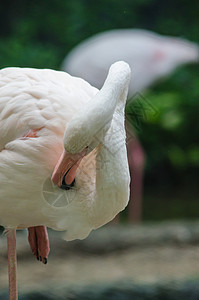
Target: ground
[148,253]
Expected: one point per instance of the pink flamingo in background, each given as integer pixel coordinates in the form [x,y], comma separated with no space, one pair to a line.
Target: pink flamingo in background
[151,57]
[60,165]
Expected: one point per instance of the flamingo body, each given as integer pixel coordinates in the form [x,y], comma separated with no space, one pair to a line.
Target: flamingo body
[151,56]
[35,109]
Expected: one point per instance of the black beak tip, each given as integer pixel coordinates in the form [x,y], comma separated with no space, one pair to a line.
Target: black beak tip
[65,186]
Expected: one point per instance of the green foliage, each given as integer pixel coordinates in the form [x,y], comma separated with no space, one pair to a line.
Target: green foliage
[171,137]
[169,129]
[14,52]
[55,26]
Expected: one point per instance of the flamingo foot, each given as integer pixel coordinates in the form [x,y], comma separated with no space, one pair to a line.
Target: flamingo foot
[39,242]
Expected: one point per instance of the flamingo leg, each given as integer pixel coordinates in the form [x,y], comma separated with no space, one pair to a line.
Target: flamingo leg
[136,159]
[39,242]
[12,264]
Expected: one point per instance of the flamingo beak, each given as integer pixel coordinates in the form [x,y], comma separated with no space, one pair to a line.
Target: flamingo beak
[65,169]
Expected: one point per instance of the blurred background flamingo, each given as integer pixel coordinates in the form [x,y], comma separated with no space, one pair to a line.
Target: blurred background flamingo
[151,57]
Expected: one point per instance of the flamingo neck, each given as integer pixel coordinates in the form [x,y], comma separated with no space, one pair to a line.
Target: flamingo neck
[112,188]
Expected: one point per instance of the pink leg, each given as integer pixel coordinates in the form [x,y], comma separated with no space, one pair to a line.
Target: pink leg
[39,242]
[12,264]
[136,158]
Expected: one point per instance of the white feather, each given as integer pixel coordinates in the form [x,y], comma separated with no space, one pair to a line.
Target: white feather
[47,100]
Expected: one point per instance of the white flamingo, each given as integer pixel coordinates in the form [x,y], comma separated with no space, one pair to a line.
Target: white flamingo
[52,121]
[151,57]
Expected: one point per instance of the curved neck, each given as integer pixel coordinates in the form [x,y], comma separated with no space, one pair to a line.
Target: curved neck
[112,176]
[97,114]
